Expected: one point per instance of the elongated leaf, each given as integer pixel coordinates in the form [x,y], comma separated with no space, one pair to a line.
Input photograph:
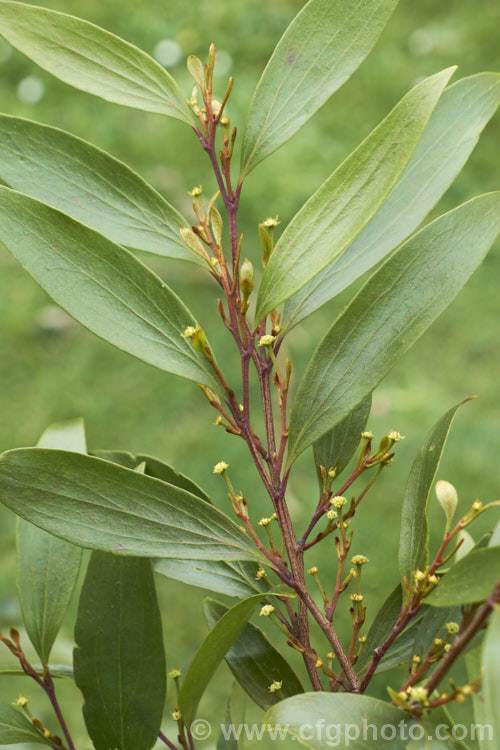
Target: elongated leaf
[388,315]
[61,671]
[448,140]
[230,578]
[47,567]
[99,505]
[414,534]
[473,663]
[119,657]
[15,728]
[254,661]
[382,626]
[101,285]
[401,651]
[336,448]
[235,719]
[491,677]
[86,183]
[471,580]
[154,468]
[432,626]
[92,59]
[318,720]
[339,210]
[318,52]
[212,651]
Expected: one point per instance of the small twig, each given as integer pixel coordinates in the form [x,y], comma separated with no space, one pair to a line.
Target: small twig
[166,741]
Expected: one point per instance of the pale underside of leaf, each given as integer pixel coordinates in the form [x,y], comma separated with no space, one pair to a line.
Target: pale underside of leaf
[389,314]
[98,505]
[344,204]
[318,52]
[92,59]
[88,184]
[448,140]
[102,285]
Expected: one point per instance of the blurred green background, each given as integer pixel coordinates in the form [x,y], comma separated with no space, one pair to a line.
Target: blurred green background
[53,370]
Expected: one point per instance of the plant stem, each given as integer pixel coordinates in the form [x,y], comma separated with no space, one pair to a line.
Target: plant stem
[461,641]
[166,741]
[51,692]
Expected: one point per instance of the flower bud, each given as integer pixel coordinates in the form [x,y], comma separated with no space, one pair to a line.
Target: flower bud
[246,278]
[216,225]
[448,499]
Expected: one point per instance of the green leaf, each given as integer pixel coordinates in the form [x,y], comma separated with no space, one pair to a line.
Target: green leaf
[448,140]
[99,505]
[119,657]
[391,311]
[101,285]
[92,59]
[432,626]
[401,651]
[235,718]
[154,468]
[336,448]
[254,661]
[61,671]
[344,204]
[319,719]
[230,578]
[381,627]
[414,534]
[473,663]
[213,649]
[491,676]
[48,567]
[15,728]
[471,580]
[90,185]
[318,52]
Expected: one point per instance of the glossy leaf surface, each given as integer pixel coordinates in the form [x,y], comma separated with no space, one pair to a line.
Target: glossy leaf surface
[254,661]
[338,714]
[119,657]
[471,580]
[414,534]
[212,651]
[337,447]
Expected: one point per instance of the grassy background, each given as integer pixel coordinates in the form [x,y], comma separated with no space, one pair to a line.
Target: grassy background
[50,373]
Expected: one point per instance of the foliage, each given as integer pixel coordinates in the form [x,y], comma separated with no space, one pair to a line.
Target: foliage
[72,215]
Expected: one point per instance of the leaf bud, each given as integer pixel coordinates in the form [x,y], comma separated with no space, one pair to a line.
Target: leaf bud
[246,278]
